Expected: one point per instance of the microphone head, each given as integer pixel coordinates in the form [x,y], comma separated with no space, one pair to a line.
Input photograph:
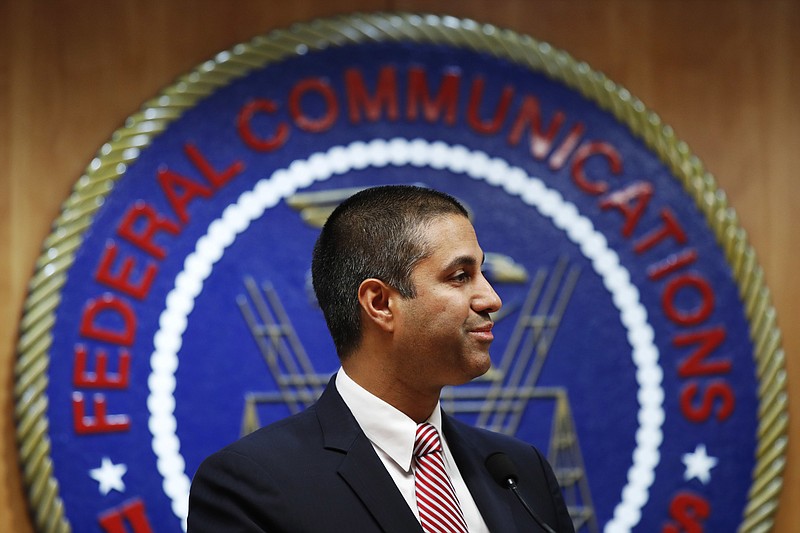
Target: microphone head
[502,469]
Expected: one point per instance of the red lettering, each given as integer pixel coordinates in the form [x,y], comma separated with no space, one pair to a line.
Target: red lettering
[115,310]
[569,143]
[591,149]
[121,281]
[671,228]
[132,512]
[385,95]
[303,121]
[640,194]
[482,126]
[243,126]
[181,190]
[530,114]
[717,393]
[671,264]
[688,511]
[432,109]
[100,378]
[697,364]
[101,422]
[149,223]
[217,179]
[694,316]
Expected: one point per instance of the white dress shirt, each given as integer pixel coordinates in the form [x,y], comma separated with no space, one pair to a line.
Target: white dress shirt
[392,435]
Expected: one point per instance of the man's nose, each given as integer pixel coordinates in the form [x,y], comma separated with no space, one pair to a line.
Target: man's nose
[488,300]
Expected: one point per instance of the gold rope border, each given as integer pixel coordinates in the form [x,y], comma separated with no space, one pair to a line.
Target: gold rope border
[125,145]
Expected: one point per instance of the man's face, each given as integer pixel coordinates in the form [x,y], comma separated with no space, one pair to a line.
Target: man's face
[444,332]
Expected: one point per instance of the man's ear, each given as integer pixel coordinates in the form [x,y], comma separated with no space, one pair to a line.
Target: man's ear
[374,296]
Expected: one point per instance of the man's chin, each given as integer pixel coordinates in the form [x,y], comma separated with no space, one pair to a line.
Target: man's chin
[480,368]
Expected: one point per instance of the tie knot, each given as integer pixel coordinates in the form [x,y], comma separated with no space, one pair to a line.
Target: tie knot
[427,440]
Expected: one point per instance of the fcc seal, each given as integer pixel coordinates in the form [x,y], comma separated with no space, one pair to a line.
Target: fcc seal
[172,312]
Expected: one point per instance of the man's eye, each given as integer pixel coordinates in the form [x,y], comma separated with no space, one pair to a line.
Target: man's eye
[460,276]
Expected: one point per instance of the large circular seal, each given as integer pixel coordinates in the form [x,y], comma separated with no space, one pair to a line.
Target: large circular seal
[171,310]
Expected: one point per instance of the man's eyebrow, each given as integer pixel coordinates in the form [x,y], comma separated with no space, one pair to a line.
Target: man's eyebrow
[464,260]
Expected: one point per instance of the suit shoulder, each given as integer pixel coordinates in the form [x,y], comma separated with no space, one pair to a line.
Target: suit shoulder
[490,441]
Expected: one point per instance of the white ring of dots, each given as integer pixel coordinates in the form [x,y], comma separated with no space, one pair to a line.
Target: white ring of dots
[476,164]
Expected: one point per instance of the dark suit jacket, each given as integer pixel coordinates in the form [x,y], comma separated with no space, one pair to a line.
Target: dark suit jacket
[317,472]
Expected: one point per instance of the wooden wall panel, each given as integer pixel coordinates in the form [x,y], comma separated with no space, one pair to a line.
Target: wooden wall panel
[724,74]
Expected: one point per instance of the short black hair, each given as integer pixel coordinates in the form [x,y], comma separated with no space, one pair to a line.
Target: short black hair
[376,233]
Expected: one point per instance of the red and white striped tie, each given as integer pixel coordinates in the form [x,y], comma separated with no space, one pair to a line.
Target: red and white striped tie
[439,510]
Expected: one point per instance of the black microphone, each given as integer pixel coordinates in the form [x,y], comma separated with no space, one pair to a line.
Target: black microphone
[504,473]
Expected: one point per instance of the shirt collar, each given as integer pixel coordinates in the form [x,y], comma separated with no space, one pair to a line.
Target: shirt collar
[385,426]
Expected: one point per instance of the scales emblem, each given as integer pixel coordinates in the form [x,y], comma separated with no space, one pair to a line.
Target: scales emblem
[498,398]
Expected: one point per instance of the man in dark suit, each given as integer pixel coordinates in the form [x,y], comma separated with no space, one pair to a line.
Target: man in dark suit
[397,273]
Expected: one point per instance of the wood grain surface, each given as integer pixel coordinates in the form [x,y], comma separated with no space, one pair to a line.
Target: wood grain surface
[724,75]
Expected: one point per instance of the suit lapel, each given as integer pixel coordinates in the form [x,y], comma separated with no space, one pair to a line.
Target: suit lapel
[490,498]
[361,468]
[366,475]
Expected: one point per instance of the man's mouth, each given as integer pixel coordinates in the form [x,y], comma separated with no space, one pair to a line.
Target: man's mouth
[484,331]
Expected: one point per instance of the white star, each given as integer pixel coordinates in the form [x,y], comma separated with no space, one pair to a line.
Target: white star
[699,464]
[109,476]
